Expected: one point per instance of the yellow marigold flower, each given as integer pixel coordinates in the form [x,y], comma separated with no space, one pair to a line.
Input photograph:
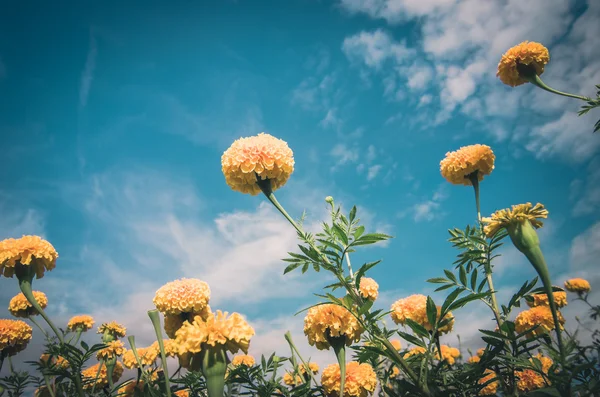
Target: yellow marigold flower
[395,372]
[480,351]
[170,345]
[83,322]
[172,323]
[313,367]
[233,332]
[243,359]
[54,361]
[333,320]
[368,288]
[523,59]
[541,315]
[113,328]
[414,351]
[128,390]
[414,307]
[289,379]
[182,296]
[147,356]
[396,343]
[519,213]
[530,379]
[360,380]
[560,299]
[88,375]
[491,388]
[27,251]
[449,354]
[578,285]
[19,306]
[112,349]
[458,165]
[14,336]
[474,359]
[182,393]
[261,156]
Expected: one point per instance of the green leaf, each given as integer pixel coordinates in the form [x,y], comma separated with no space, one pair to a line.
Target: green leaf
[462,275]
[359,232]
[474,279]
[411,338]
[85,346]
[469,298]
[431,311]
[339,233]
[363,269]
[443,287]
[365,307]
[450,275]
[417,328]
[291,267]
[438,280]
[449,299]
[305,268]
[352,214]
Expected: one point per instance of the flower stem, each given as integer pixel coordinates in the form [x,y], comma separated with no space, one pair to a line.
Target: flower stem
[214,366]
[288,338]
[10,366]
[153,314]
[47,382]
[339,347]
[537,81]
[97,375]
[131,340]
[30,318]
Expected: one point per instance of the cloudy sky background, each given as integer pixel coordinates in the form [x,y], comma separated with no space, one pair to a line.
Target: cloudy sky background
[114,118]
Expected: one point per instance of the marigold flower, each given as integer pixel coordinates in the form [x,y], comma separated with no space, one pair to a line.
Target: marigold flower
[333,320]
[83,322]
[112,349]
[232,332]
[519,213]
[27,251]
[113,328]
[414,307]
[182,296]
[182,393]
[170,345]
[395,372]
[88,375]
[396,343]
[541,315]
[560,299]
[521,60]
[474,359]
[578,285]
[19,306]
[360,380]
[530,379]
[290,380]
[449,354]
[128,390]
[313,367]
[54,361]
[458,165]
[368,288]
[262,156]
[147,356]
[414,351]
[14,336]
[243,359]
[480,351]
[491,388]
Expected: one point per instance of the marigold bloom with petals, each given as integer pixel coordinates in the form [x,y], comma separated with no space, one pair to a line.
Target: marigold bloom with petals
[530,379]
[19,306]
[290,380]
[449,354]
[88,375]
[112,349]
[182,393]
[113,328]
[243,359]
[414,308]
[474,359]
[170,345]
[83,322]
[541,299]
[360,380]
[54,361]
[147,356]
[480,351]
[527,57]
[182,296]
[27,251]
[415,351]
[369,288]
[396,343]
[313,367]
[518,213]
[541,315]
[491,388]
[458,165]
[129,389]
[233,332]
[14,336]
[578,285]
[333,320]
[262,156]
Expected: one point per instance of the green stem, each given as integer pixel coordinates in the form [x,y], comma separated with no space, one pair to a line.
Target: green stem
[47,381]
[110,369]
[10,366]
[153,314]
[30,318]
[97,375]
[288,338]
[339,347]
[2,356]
[537,81]
[214,365]
[78,335]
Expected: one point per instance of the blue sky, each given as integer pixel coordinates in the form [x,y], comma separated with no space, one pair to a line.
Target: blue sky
[114,118]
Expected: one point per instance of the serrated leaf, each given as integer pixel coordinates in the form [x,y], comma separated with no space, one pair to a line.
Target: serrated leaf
[291,267]
[417,328]
[411,338]
[449,299]
[431,311]
[340,234]
[305,268]
[358,232]
[469,298]
[443,287]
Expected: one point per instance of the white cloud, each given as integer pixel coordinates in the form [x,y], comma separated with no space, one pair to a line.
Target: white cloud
[344,154]
[425,211]
[585,191]
[395,10]
[374,48]
[373,171]
[330,119]
[585,249]
[314,93]
[87,76]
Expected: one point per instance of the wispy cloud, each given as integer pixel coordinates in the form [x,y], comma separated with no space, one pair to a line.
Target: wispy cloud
[87,76]
[427,210]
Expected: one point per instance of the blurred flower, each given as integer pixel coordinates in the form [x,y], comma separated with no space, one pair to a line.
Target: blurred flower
[368,288]
[112,349]
[261,156]
[360,380]
[182,296]
[396,343]
[522,60]
[480,351]
[560,299]
[147,356]
[449,354]
[539,315]
[19,306]
[54,361]
[128,390]
[113,328]
[172,323]
[458,165]
[414,351]
[333,320]
[518,214]
[243,359]
[88,375]
[529,379]
[491,388]
[414,308]
[474,359]
[170,345]
[578,285]
[289,380]
[83,322]
[27,251]
[182,393]
[14,336]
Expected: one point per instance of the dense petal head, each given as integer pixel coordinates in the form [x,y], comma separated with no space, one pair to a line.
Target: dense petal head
[89,375]
[414,308]
[491,388]
[54,361]
[19,306]
[186,295]
[113,328]
[262,156]
[528,56]
[333,320]
[113,349]
[449,354]
[530,379]
[578,285]
[361,380]
[539,315]
[517,214]
[82,322]
[243,359]
[369,288]
[147,356]
[541,299]
[27,251]
[14,336]
[457,166]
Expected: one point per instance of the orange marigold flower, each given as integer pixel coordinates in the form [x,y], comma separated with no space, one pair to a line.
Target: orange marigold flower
[182,393]
[19,306]
[522,60]
[414,307]
[369,288]
[480,351]
[560,299]
[128,390]
[313,367]
[26,251]
[54,361]
[414,352]
[360,380]
[88,375]
[112,349]
[519,213]
[113,328]
[458,165]
[491,388]
[14,336]
[396,343]
[261,156]
[333,320]
[578,285]
[289,379]
[83,322]
[449,354]
[243,359]
[532,379]
[395,372]
[233,332]
[182,296]
[474,359]
[172,323]
[539,315]
[170,345]
[147,356]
